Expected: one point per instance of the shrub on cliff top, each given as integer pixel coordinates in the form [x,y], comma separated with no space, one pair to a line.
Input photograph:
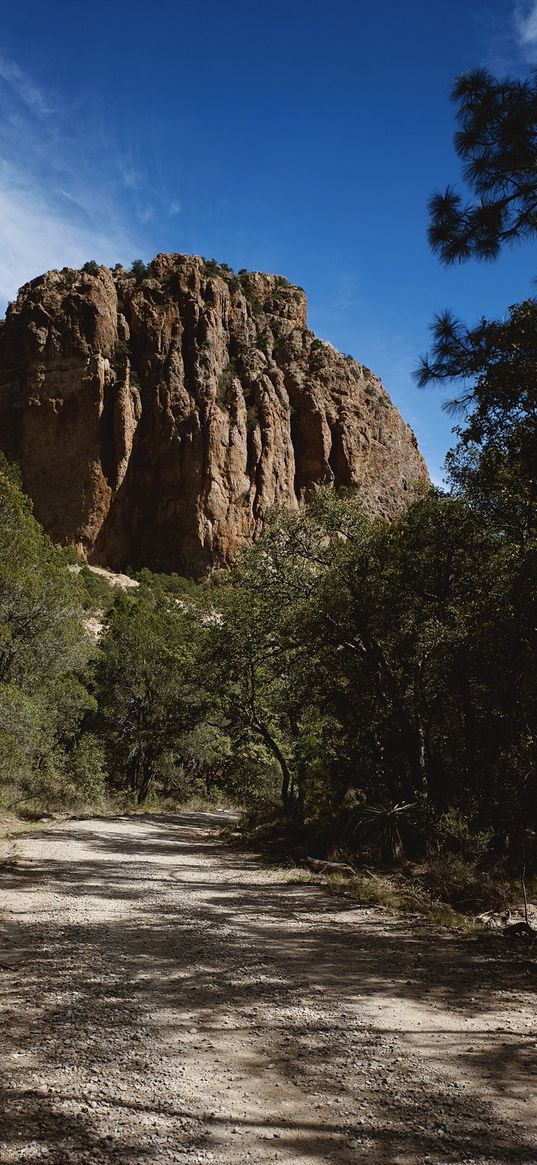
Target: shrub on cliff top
[141,270]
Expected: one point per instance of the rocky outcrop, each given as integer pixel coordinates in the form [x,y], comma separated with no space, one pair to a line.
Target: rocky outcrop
[158,416]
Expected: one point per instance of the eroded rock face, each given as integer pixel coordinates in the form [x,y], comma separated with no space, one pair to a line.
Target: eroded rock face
[157,419]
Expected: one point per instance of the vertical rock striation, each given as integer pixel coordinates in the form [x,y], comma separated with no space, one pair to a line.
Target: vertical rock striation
[158,417]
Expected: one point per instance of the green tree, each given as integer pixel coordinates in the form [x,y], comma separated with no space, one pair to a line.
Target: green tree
[496,141]
[140,270]
[258,654]
[494,462]
[423,633]
[43,653]
[493,465]
[146,687]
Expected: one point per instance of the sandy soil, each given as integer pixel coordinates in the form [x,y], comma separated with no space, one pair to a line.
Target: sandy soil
[163,999]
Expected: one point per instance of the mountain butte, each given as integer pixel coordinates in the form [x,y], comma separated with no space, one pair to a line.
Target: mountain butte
[157,417]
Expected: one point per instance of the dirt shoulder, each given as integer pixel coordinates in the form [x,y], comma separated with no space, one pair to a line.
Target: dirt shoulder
[163,999]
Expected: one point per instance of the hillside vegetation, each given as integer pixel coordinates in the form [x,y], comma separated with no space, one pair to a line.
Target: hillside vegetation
[372,682]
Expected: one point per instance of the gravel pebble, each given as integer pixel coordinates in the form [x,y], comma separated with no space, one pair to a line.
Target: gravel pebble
[181,1003]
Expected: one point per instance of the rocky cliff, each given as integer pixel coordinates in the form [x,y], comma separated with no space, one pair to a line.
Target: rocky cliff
[158,415]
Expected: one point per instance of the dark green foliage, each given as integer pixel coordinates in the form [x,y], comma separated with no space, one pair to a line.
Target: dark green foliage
[213,268]
[493,466]
[122,353]
[91,267]
[39,598]
[167,584]
[388,664]
[494,463]
[146,689]
[141,270]
[257,307]
[43,651]
[496,142]
[70,556]
[98,593]
[380,826]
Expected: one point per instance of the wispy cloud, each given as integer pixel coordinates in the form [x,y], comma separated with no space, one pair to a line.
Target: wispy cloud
[61,202]
[23,88]
[35,235]
[525,19]
[508,36]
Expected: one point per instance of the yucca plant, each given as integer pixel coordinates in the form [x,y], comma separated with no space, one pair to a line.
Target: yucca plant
[379,823]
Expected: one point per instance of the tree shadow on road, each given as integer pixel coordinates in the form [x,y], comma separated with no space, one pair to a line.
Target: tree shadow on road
[281,974]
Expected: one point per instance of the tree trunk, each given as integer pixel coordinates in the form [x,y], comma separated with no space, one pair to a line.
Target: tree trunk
[287,780]
[146,780]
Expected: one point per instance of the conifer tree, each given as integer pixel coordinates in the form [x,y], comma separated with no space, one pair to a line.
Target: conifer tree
[496,141]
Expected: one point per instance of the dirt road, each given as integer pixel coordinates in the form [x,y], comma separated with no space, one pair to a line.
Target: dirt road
[163,999]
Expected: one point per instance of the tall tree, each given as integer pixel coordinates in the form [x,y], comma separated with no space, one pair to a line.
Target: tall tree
[147,690]
[493,466]
[495,460]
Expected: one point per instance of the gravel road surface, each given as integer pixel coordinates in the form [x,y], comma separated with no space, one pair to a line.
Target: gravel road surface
[165,999]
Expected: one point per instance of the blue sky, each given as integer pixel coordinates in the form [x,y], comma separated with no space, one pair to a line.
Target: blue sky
[299,137]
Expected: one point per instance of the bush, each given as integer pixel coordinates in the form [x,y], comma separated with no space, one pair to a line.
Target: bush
[224,392]
[91,267]
[70,556]
[166,584]
[461,883]
[141,270]
[121,352]
[255,304]
[213,267]
[456,833]
[100,593]
[68,280]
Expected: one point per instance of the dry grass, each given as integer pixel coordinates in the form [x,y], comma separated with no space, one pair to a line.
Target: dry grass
[298,877]
[384,891]
[396,894]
